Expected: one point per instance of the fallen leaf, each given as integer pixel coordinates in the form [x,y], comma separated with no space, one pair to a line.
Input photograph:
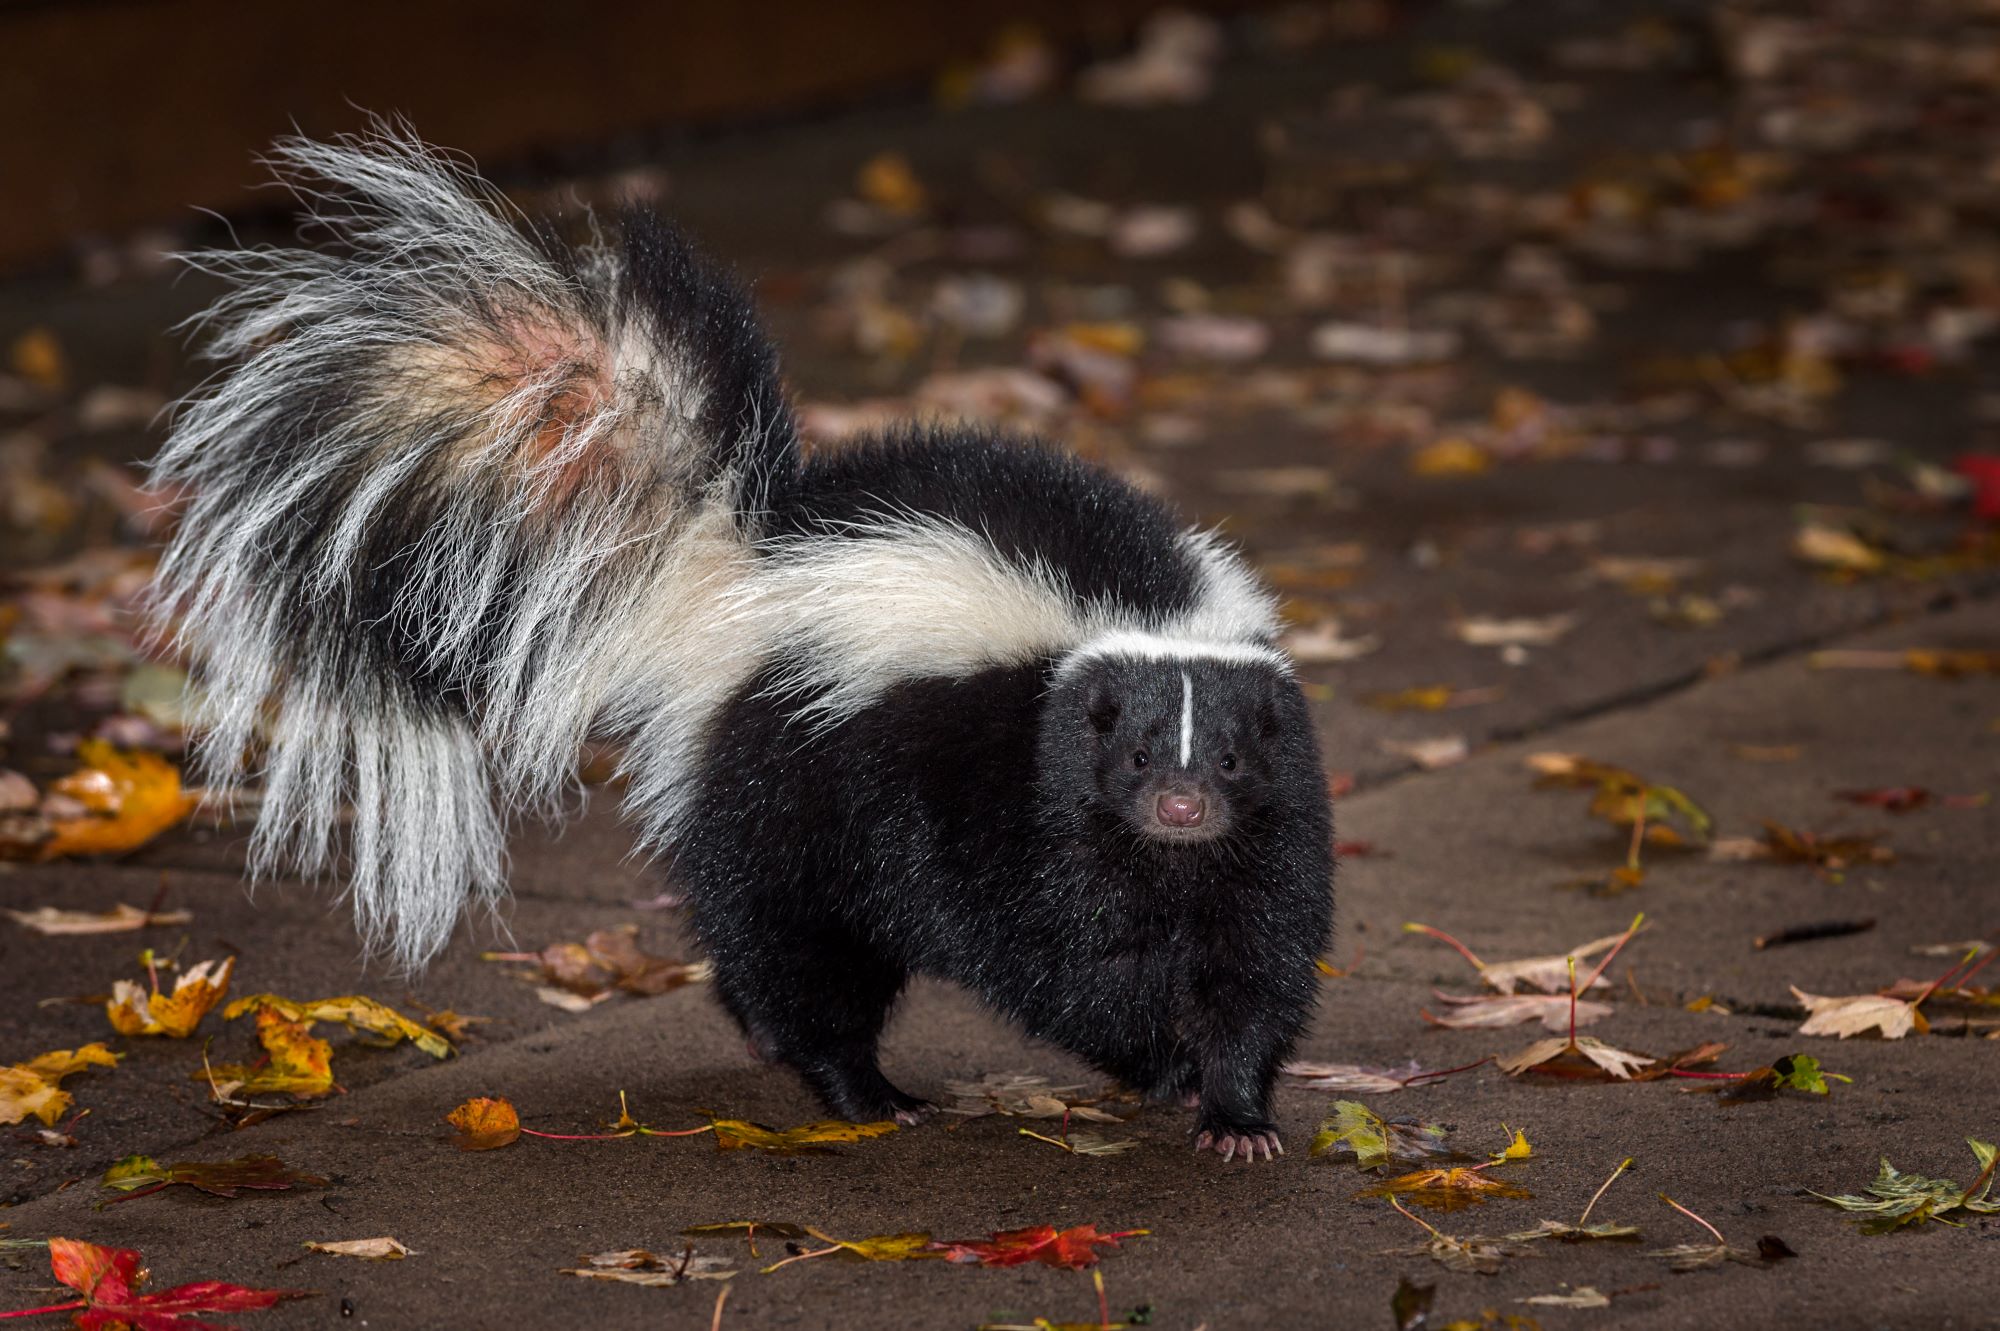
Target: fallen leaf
[1487,631]
[907,1247]
[1084,1143]
[296,1062]
[1548,974]
[578,976]
[1375,1141]
[1582,1296]
[110,1278]
[34,1087]
[485,1124]
[1827,853]
[136,1011]
[1836,548]
[735,1133]
[1577,1057]
[1430,754]
[1485,1012]
[1074,1249]
[384,1249]
[1410,1306]
[1452,456]
[129,799]
[636,1266]
[1625,799]
[54,922]
[1022,1095]
[138,1175]
[1451,1189]
[352,1011]
[1892,1018]
[1355,1077]
[1896,1199]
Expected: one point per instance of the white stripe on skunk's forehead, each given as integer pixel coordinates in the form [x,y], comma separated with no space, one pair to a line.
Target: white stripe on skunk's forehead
[1141,645]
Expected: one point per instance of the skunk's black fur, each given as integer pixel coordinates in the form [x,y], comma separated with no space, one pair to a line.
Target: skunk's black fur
[940,703]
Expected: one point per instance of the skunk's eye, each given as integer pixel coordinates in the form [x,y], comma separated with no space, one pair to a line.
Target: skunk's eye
[1228,762]
[1139,759]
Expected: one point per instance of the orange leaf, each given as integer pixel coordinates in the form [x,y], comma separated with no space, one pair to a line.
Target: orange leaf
[485,1123]
[134,797]
[296,1063]
[1446,1189]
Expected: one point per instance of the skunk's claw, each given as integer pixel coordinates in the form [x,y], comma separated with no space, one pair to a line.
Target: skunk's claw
[1229,1145]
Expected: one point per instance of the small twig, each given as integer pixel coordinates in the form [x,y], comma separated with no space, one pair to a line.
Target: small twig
[1633,980]
[1423,1077]
[1603,1188]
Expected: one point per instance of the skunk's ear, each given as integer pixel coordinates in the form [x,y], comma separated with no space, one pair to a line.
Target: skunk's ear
[1101,702]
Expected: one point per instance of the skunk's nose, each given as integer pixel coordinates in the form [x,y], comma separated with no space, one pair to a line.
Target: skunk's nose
[1181,810]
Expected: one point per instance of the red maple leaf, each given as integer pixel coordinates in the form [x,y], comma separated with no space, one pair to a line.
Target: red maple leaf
[109,1280]
[1075,1248]
[1983,470]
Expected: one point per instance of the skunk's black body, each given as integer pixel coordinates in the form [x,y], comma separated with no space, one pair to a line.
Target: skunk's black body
[940,703]
[977,829]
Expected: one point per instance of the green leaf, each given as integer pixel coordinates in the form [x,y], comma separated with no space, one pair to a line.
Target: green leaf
[1801,1072]
[1896,1199]
[1377,1141]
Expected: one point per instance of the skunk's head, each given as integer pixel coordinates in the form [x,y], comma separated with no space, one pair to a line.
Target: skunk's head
[1179,750]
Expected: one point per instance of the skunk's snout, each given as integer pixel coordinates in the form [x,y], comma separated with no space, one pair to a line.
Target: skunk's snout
[1179,810]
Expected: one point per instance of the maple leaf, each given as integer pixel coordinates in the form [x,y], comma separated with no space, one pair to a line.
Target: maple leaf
[1579,1056]
[34,1087]
[578,976]
[1896,1199]
[110,1278]
[735,1133]
[1450,1189]
[130,798]
[1376,1141]
[1582,1296]
[1829,855]
[53,922]
[1554,1011]
[384,1249]
[139,1175]
[1368,1081]
[353,1011]
[1474,1254]
[1659,815]
[906,1247]
[296,1062]
[1022,1095]
[749,1229]
[1075,1248]
[1548,974]
[636,1266]
[1794,1072]
[1857,1014]
[136,1011]
[485,1124]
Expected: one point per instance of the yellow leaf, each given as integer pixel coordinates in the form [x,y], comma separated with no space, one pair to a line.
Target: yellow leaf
[732,1133]
[297,1062]
[485,1123]
[888,181]
[33,1087]
[1450,457]
[1518,1149]
[134,1011]
[133,796]
[38,357]
[353,1011]
[1832,547]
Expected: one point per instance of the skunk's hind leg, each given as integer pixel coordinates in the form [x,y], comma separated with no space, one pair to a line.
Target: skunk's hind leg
[815,1000]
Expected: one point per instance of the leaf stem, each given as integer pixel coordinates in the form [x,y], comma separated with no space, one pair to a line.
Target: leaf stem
[1630,932]
[1423,1077]
[721,1297]
[1103,1304]
[1435,1232]
[1605,1187]
[1447,940]
[1697,1219]
[52,1308]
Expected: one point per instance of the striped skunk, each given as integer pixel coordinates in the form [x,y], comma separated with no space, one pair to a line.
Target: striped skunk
[940,703]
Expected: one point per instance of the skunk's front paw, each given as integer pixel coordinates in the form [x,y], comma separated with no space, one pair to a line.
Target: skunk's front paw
[1230,1139]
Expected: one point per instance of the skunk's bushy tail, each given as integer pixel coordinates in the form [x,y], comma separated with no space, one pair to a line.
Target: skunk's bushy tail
[465,490]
